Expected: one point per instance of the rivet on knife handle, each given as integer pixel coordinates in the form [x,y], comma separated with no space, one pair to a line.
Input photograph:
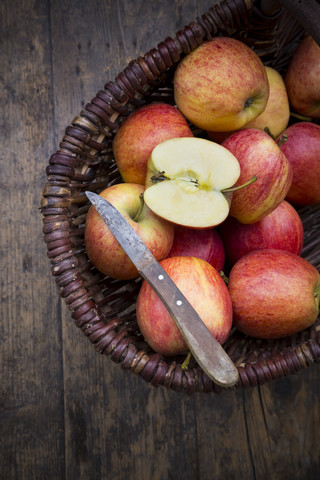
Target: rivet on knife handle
[208,352]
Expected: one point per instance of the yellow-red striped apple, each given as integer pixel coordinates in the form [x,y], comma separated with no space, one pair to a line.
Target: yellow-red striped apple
[259,155]
[140,133]
[103,248]
[221,85]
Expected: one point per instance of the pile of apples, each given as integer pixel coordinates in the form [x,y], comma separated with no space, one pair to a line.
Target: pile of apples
[218,210]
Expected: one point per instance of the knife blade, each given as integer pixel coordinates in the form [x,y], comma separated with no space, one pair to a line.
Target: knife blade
[207,351]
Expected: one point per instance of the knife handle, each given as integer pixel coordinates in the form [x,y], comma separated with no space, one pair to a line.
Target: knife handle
[205,348]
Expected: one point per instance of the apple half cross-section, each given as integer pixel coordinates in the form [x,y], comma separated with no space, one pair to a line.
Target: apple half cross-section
[186,179]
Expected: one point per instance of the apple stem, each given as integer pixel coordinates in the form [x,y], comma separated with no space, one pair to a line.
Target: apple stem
[282,139]
[301,117]
[185,364]
[234,189]
[267,130]
[224,277]
[159,177]
[137,215]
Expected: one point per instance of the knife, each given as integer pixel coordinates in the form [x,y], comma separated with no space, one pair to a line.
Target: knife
[207,351]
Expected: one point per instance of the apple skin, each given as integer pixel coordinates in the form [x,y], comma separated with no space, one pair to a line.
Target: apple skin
[274,294]
[200,243]
[140,133]
[104,250]
[282,229]
[302,149]
[203,287]
[221,85]
[258,155]
[276,114]
[302,79]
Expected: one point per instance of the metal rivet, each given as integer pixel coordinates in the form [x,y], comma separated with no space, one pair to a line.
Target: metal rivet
[179,302]
[160,277]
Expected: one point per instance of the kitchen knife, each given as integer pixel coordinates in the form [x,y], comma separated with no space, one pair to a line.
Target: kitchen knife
[208,352]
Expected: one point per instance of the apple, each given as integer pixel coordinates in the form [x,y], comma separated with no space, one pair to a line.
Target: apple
[221,85]
[140,133]
[302,79]
[300,143]
[281,229]
[276,115]
[274,293]
[259,155]
[193,242]
[203,287]
[188,180]
[104,250]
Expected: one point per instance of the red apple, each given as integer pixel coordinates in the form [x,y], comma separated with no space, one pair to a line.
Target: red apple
[140,133]
[282,229]
[260,156]
[104,250]
[193,242]
[302,79]
[203,286]
[300,143]
[221,85]
[274,293]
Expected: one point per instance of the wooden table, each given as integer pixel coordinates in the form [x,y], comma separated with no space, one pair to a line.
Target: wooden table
[66,412]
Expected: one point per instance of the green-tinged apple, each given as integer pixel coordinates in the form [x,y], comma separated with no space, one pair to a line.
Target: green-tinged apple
[103,248]
[200,243]
[300,143]
[203,287]
[221,85]
[140,133]
[188,181]
[302,79]
[274,294]
[259,155]
[282,229]
[275,117]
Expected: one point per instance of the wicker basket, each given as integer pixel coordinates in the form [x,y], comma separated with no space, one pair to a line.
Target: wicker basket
[103,308]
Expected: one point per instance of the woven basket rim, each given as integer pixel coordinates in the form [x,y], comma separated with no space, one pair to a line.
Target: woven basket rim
[103,308]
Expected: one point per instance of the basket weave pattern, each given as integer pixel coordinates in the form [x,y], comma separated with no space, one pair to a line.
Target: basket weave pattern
[103,308]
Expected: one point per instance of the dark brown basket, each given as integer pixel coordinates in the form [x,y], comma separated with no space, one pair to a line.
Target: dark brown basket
[104,308]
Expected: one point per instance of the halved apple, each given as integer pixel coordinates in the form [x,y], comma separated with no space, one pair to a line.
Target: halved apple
[188,180]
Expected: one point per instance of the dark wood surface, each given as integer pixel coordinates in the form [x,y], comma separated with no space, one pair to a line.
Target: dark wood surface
[66,412]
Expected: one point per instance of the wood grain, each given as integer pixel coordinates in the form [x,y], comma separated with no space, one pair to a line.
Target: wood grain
[66,412]
[31,368]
